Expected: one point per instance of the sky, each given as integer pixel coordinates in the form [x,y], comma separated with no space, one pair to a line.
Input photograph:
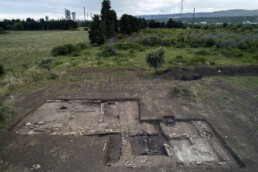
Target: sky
[36,9]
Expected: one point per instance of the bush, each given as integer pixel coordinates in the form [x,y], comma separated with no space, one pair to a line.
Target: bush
[44,63]
[209,41]
[19,26]
[129,46]
[119,36]
[82,46]
[107,51]
[202,53]
[64,50]
[195,45]
[181,91]
[156,59]
[180,45]
[75,54]
[243,45]
[178,60]
[2,31]
[150,41]
[1,70]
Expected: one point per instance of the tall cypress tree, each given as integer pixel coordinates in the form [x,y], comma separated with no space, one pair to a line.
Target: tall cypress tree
[109,19]
[96,31]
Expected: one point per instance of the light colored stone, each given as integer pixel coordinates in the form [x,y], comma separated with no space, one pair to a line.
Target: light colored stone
[28,124]
[41,123]
[35,167]
[168,149]
[198,163]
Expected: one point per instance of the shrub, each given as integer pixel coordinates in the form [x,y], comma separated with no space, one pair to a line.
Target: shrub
[1,70]
[86,29]
[119,36]
[75,54]
[243,45]
[202,53]
[197,60]
[150,41]
[177,60]
[195,45]
[180,45]
[107,51]
[129,46]
[44,63]
[19,26]
[82,46]
[2,31]
[209,41]
[64,50]
[156,59]
[181,91]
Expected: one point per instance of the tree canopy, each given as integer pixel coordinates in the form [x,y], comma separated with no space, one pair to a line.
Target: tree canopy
[96,31]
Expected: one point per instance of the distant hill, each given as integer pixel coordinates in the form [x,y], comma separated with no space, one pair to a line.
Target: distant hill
[227,13]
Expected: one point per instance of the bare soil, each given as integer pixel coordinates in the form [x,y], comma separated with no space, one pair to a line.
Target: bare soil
[214,101]
[195,73]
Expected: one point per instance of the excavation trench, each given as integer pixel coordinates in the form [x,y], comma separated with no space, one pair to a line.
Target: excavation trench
[132,142]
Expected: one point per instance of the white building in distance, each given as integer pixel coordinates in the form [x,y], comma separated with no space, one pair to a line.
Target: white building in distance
[67,14]
[74,16]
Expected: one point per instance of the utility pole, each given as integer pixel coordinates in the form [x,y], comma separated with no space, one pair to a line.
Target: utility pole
[182,9]
[84,13]
[193,17]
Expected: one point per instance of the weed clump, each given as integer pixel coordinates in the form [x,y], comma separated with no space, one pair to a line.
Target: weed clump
[6,114]
[68,49]
[82,46]
[181,92]
[107,51]
[63,50]
[129,46]
[156,59]
[44,63]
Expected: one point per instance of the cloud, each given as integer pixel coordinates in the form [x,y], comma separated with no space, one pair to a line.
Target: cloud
[55,8]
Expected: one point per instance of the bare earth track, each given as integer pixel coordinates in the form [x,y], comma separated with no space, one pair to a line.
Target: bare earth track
[126,120]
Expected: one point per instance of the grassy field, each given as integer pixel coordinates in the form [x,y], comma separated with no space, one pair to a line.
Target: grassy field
[20,49]
[21,52]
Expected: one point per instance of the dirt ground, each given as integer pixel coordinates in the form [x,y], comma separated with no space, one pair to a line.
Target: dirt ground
[228,109]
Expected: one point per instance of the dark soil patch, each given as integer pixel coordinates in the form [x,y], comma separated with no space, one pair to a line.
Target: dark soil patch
[115,148]
[195,73]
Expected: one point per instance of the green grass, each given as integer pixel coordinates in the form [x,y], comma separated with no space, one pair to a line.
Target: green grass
[22,52]
[243,82]
[21,49]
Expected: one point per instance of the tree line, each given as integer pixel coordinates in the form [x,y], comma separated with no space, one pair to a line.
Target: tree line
[106,25]
[169,24]
[31,24]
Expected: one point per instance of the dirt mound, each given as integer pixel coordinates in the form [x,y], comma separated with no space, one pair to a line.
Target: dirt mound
[195,73]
